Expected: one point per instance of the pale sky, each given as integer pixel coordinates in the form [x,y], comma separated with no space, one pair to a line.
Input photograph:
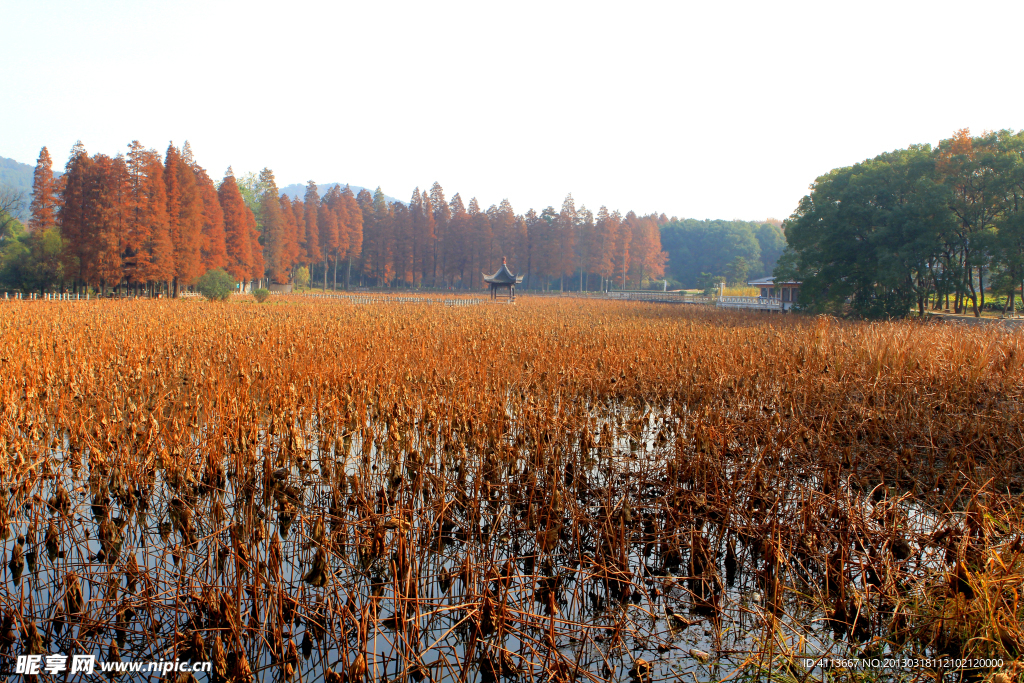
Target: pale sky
[697,109]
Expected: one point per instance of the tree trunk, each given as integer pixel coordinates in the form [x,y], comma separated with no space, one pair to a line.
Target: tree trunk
[981,287]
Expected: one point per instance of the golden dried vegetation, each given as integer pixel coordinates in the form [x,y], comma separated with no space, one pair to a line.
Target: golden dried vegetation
[566,489]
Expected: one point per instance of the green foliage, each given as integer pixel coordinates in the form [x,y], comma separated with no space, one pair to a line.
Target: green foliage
[866,235]
[737,270]
[708,283]
[31,261]
[216,285]
[696,247]
[301,278]
[261,294]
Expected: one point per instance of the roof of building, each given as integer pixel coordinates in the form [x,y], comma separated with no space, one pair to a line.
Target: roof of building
[504,276]
[769,282]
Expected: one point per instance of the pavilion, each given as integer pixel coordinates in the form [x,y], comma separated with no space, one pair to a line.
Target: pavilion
[503,280]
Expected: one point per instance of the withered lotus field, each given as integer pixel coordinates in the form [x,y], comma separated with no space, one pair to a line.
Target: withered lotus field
[557,490]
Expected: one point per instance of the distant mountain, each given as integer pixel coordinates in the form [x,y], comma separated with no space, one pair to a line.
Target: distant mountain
[299,191]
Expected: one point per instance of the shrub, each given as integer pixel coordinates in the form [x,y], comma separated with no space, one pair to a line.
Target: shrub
[261,294]
[216,285]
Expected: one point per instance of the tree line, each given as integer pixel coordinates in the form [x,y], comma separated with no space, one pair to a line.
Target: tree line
[918,228]
[149,223]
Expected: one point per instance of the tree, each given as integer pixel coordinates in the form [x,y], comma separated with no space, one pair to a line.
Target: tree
[238,246]
[647,259]
[72,214]
[301,276]
[353,230]
[213,247]
[869,236]
[155,261]
[187,230]
[327,223]
[11,203]
[273,229]
[216,284]
[737,270]
[442,215]
[602,252]
[310,242]
[565,241]
[694,247]
[44,199]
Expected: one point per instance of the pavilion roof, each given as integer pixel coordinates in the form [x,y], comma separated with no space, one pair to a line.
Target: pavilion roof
[504,276]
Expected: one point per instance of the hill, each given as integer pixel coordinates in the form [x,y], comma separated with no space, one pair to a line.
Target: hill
[297,191]
[19,176]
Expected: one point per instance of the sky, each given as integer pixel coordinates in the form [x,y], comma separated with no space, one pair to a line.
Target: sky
[692,109]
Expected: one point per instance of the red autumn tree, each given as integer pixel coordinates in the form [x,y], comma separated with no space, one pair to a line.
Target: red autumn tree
[237,241]
[212,245]
[44,200]
[327,222]
[353,231]
[73,217]
[311,252]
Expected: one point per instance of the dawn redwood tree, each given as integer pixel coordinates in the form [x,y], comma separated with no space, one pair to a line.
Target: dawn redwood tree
[212,244]
[172,159]
[108,219]
[237,241]
[311,251]
[647,257]
[601,253]
[272,220]
[457,241]
[44,199]
[482,243]
[73,213]
[621,251]
[327,224]
[338,202]
[584,243]
[188,260]
[155,260]
[293,213]
[353,231]
[565,241]
[258,271]
[442,216]
[503,221]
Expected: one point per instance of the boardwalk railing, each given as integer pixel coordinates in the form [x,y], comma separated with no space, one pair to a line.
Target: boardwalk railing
[370,299]
[660,297]
[45,296]
[761,303]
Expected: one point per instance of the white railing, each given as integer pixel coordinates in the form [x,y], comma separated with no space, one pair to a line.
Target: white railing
[388,299]
[665,297]
[759,302]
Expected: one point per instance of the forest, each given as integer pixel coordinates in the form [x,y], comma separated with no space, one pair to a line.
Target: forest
[703,252]
[925,228]
[150,223]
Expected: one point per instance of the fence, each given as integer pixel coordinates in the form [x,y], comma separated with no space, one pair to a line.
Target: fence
[45,296]
[658,297]
[363,299]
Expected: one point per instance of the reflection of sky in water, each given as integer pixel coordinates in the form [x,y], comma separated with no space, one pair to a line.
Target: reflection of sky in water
[593,626]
